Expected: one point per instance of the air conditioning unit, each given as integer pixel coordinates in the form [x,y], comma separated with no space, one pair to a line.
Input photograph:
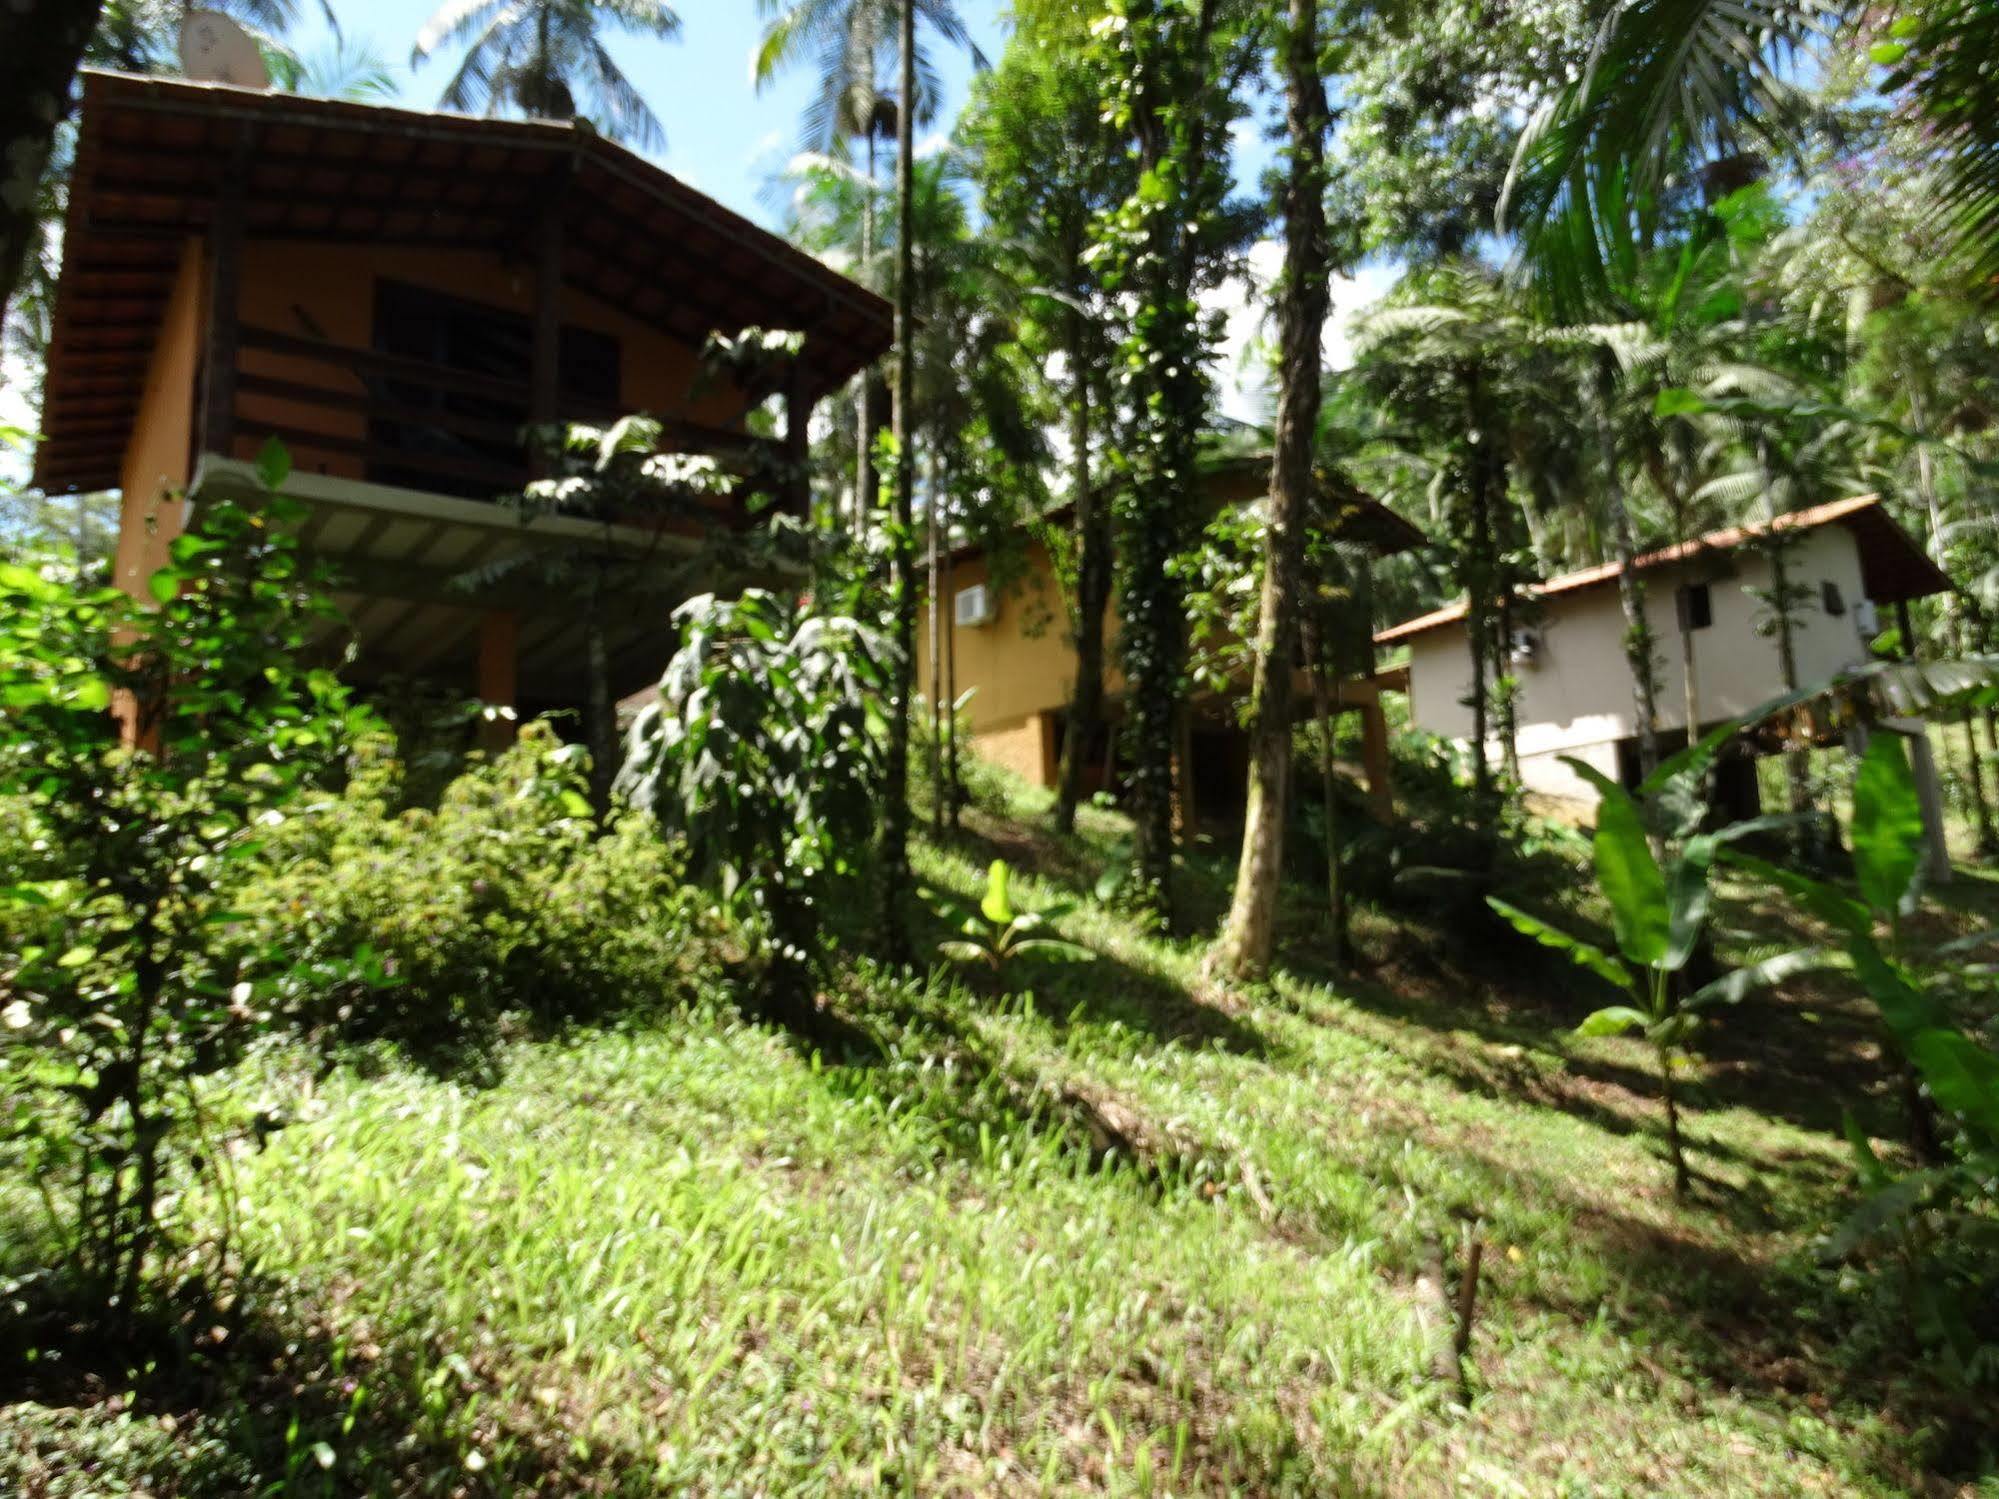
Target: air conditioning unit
[973,606]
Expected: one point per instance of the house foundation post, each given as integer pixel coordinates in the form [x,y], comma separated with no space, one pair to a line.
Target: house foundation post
[1374,759]
[499,661]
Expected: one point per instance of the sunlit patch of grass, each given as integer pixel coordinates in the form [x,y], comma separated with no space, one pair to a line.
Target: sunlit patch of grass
[1114,1231]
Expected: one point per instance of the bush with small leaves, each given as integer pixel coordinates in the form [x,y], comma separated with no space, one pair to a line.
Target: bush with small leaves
[147,752]
[506,899]
[763,751]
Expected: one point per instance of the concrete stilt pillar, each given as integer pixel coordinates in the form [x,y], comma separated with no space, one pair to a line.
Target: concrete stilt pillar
[1923,764]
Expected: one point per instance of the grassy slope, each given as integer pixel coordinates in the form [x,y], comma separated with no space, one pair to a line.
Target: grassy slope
[1136,1236]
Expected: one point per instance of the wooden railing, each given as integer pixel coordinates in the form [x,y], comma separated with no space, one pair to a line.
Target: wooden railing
[406,422]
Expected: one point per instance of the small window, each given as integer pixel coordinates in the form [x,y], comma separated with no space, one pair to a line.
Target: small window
[1696,606]
[1829,597]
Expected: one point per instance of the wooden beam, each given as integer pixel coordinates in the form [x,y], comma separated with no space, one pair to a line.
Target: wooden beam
[501,476]
[225,281]
[499,669]
[797,439]
[1375,760]
[545,361]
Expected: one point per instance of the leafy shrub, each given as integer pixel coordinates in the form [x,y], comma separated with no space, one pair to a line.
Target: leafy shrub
[1942,1219]
[125,980]
[763,751]
[504,899]
[1659,906]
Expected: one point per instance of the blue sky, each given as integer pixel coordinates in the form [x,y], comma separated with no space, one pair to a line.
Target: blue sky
[723,135]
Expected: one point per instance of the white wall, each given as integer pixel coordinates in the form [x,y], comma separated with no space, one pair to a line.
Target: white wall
[1577,695]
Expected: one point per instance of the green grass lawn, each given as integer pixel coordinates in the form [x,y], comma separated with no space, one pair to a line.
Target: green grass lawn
[1130,1235]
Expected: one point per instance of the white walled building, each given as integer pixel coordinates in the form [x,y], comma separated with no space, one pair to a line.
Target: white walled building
[1575,682]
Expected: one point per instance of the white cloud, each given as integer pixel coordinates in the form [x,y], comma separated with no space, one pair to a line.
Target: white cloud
[1242,373]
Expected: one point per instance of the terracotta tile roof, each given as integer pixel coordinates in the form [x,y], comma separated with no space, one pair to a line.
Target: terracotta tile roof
[152,154]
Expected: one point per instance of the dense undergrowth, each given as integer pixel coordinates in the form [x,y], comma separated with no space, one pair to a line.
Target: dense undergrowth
[1125,1232]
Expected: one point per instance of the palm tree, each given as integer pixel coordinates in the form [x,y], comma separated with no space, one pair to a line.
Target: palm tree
[533,55]
[1685,93]
[343,70]
[849,37]
[850,42]
[1463,369]
[1797,450]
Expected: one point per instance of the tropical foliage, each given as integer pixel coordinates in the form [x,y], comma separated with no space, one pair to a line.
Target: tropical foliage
[149,748]
[995,934]
[1561,284]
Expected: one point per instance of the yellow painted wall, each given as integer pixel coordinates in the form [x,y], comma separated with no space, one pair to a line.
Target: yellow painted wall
[329,291]
[1023,661]
[158,456]
[1025,746]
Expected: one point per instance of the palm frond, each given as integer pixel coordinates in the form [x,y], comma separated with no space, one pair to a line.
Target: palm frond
[1671,86]
[456,20]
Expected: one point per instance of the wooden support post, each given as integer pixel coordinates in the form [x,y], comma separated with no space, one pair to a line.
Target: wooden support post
[1184,808]
[1922,757]
[225,282]
[1374,759]
[798,403]
[499,661]
[545,356]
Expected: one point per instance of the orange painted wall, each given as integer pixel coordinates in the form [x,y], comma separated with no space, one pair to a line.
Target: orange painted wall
[158,455]
[328,291]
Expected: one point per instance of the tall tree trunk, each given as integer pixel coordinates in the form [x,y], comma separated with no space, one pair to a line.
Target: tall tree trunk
[864,414]
[1506,706]
[952,777]
[1796,772]
[1244,948]
[1981,808]
[1676,507]
[44,46]
[1478,570]
[601,731]
[1176,123]
[1093,574]
[895,818]
[1630,587]
[938,708]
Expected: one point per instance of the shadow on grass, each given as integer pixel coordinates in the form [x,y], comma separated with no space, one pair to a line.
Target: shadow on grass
[1807,1054]
[981,1104]
[200,1397]
[1740,1304]
[1778,1329]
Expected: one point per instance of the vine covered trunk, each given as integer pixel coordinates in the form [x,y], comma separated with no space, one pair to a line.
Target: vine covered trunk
[1093,586]
[902,582]
[45,44]
[1248,936]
